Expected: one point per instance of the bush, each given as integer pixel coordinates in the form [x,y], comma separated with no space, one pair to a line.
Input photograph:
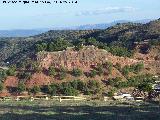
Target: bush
[99,70]
[77,72]
[118,66]
[52,89]
[111,92]
[1,86]
[21,87]
[94,86]
[120,51]
[36,89]
[62,73]
[108,66]
[58,45]
[78,84]
[114,81]
[70,91]
[93,73]
[24,75]
[3,75]
[51,71]
[11,71]
[91,41]
[145,87]
[137,68]
[78,47]
[125,70]
[41,47]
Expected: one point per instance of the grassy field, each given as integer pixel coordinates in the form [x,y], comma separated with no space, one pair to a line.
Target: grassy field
[88,110]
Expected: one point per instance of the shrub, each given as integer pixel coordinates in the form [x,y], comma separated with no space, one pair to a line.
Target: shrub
[125,70]
[94,86]
[52,89]
[24,75]
[93,73]
[78,47]
[77,72]
[51,71]
[58,45]
[145,87]
[91,41]
[21,87]
[11,71]
[41,47]
[118,83]
[118,66]
[108,66]
[99,70]
[138,67]
[1,86]
[70,91]
[120,51]
[36,89]
[78,84]
[62,73]
[3,75]
[111,92]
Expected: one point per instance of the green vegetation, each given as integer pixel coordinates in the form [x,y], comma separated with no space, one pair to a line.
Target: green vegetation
[92,87]
[108,66]
[52,89]
[135,68]
[73,88]
[24,75]
[100,70]
[11,71]
[1,86]
[118,39]
[93,73]
[142,82]
[21,87]
[111,92]
[145,87]
[120,51]
[77,72]
[57,45]
[36,89]
[78,110]
[62,73]
[3,75]
[51,71]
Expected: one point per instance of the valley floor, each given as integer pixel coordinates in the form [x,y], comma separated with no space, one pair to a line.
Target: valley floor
[88,110]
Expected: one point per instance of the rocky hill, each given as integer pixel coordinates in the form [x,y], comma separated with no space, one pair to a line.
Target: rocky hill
[13,49]
[125,56]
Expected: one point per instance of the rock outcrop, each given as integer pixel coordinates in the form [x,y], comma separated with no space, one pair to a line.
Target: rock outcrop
[85,58]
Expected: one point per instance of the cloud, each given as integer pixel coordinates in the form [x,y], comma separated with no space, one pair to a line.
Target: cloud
[108,10]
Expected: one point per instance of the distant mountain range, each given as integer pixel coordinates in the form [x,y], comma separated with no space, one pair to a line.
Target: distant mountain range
[32,32]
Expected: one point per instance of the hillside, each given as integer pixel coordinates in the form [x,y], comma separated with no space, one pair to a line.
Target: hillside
[124,57]
[124,35]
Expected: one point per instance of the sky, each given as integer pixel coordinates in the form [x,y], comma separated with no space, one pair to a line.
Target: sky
[35,16]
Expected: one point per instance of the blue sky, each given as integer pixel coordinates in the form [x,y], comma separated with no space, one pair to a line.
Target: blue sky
[31,16]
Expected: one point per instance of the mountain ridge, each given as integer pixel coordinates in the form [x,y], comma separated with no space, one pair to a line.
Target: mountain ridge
[33,32]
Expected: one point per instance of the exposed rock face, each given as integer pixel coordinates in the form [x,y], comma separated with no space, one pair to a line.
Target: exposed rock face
[11,81]
[70,59]
[85,58]
[38,79]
